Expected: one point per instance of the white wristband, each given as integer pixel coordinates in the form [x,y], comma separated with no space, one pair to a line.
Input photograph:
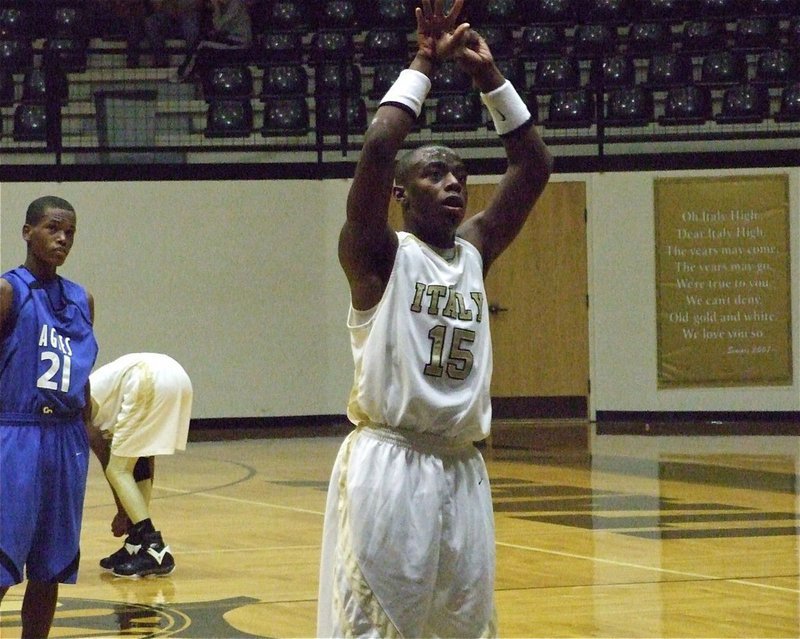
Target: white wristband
[508,110]
[408,91]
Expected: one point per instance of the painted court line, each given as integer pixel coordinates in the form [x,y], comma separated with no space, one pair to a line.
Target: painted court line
[217,551]
[669,571]
[238,500]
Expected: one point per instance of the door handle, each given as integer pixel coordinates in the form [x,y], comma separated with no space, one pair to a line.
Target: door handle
[494,309]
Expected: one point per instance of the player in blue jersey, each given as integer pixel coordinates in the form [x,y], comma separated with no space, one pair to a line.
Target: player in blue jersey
[47,350]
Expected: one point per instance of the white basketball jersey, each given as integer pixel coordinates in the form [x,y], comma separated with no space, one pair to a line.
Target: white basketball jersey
[423,354]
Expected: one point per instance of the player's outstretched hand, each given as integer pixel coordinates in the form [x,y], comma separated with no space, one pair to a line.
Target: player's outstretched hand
[438,37]
[473,54]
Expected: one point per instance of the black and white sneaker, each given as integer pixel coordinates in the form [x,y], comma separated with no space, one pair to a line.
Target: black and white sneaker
[122,555]
[153,558]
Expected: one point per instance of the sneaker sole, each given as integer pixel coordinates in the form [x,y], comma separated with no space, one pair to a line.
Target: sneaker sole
[156,572]
[109,569]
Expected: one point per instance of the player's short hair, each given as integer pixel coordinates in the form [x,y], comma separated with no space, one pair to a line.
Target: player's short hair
[37,208]
[402,169]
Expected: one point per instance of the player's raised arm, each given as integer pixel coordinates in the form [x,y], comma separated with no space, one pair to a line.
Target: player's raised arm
[529,160]
[367,244]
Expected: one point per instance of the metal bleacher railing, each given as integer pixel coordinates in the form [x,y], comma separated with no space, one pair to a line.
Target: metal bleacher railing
[602,77]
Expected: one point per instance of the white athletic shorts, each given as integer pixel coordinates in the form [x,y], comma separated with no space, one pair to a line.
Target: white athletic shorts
[408,542]
[144,404]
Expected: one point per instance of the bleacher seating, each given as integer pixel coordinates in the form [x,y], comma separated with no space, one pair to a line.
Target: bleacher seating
[558,73]
[777,8]
[291,15]
[553,12]
[663,10]
[776,68]
[722,68]
[570,109]
[331,45]
[704,35]
[16,22]
[513,69]
[665,70]
[228,82]
[744,103]
[615,12]
[333,78]
[449,78]
[594,40]
[703,64]
[646,38]
[30,122]
[381,43]
[389,14]
[16,53]
[383,76]
[285,116]
[542,39]
[7,88]
[793,34]
[331,121]
[789,110]
[755,33]
[284,80]
[229,118]
[337,14]
[499,12]
[35,85]
[458,112]
[629,106]
[613,71]
[688,104]
[280,46]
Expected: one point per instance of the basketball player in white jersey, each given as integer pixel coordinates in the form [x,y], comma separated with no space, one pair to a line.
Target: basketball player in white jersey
[141,407]
[408,546]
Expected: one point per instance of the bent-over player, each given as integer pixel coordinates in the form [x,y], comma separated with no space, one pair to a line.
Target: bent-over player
[141,407]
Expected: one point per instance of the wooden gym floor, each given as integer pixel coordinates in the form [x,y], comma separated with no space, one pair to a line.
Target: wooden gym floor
[621,536]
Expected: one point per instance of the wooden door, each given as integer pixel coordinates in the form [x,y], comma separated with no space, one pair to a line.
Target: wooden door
[538,290]
[540,328]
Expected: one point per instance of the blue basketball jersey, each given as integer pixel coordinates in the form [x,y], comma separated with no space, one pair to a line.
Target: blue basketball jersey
[49,350]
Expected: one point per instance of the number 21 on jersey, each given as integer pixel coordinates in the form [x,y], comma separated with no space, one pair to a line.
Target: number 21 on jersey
[59,360]
[59,365]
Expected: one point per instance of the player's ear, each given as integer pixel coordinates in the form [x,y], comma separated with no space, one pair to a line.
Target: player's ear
[398,192]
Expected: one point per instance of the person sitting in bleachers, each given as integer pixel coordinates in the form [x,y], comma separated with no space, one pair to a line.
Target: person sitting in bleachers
[231,36]
[160,20]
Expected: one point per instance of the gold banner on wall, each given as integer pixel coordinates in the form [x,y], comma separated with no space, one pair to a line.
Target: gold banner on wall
[722,281]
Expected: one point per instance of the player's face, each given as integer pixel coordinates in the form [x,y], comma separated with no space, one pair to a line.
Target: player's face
[437,195]
[50,239]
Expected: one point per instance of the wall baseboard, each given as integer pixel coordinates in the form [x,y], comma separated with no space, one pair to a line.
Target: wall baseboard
[221,428]
[553,407]
[607,422]
[224,428]
[697,422]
